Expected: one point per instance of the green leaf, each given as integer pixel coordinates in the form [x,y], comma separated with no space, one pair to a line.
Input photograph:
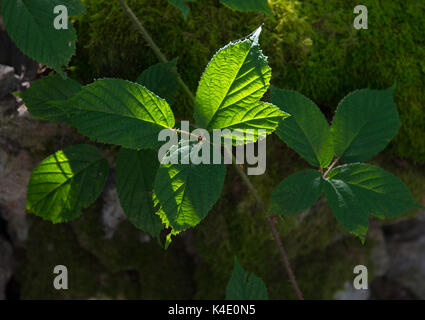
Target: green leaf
[296,193]
[51,88]
[66,182]
[356,190]
[181,5]
[119,112]
[187,192]
[162,79]
[29,24]
[135,174]
[307,130]
[248,5]
[230,89]
[244,286]
[364,123]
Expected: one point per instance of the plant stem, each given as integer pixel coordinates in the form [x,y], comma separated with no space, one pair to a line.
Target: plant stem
[145,34]
[272,226]
[330,167]
[242,174]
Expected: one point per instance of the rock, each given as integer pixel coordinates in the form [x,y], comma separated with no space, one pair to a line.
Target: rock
[8,80]
[10,55]
[14,176]
[406,249]
[112,213]
[6,265]
[350,293]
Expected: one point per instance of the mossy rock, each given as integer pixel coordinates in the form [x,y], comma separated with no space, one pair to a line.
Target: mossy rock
[98,268]
[162,274]
[50,245]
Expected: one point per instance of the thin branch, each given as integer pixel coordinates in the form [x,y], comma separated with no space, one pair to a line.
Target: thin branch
[145,34]
[243,175]
[272,226]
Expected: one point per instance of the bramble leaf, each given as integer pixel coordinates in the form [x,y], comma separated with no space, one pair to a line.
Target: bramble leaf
[187,192]
[230,89]
[244,286]
[42,92]
[356,190]
[135,175]
[364,123]
[248,5]
[119,112]
[296,193]
[161,79]
[66,182]
[181,5]
[307,130]
[29,24]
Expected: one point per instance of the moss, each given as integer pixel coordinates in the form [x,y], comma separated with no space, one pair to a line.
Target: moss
[312,46]
[49,245]
[161,274]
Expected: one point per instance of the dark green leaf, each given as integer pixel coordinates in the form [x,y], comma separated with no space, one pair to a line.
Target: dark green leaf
[42,92]
[135,175]
[248,5]
[181,5]
[307,130]
[161,79]
[244,286]
[296,193]
[29,23]
[356,190]
[364,123]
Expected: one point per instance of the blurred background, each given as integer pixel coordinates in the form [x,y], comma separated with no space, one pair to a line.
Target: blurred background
[312,48]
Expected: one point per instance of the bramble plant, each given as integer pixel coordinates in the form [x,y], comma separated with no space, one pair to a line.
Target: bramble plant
[178,196]
[364,123]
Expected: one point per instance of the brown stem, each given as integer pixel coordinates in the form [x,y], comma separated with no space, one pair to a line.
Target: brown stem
[272,226]
[243,175]
[325,175]
[285,259]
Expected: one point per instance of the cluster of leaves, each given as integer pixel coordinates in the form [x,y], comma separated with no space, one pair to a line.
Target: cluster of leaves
[364,123]
[240,5]
[130,115]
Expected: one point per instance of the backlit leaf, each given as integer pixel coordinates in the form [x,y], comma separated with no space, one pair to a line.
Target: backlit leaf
[66,182]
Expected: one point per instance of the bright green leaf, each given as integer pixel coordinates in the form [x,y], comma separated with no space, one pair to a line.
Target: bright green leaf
[51,88]
[66,182]
[29,24]
[364,123]
[307,130]
[119,112]
[162,79]
[187,192]
[248,5]
[296,193]
[135,174]
[356,190]
[244,286]
[181,5]
[230,89]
